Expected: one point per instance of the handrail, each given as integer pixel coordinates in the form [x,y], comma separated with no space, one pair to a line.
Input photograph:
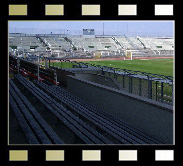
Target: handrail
[116,70]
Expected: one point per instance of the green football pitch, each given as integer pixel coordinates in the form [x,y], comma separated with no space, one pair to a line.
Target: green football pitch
[155,66]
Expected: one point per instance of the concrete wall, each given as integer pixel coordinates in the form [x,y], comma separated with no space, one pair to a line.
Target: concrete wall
[151,117]
[107,81]
[62,75]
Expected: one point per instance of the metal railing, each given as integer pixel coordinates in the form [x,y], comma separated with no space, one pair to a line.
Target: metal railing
[152,86]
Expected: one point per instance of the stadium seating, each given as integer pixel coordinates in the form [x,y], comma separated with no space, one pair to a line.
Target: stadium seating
[92,44]
[158,43]
[26,42]
[77,126]
[35,128]
[118,130]
[80,45]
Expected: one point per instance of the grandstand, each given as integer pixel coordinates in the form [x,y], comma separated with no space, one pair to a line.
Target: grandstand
[55,98]
[161,45]
[93,44]
[83,46]
[56,43]
[25,43]
[87,104]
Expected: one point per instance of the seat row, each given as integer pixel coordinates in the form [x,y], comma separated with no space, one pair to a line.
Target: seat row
[81,130]
[113,127]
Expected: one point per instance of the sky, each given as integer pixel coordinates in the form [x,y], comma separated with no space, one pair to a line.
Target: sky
[131,28]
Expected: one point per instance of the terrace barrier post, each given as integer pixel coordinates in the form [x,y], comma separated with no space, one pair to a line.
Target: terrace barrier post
[123,81]
[140,88]
[56,76]
[149,88]
[130,84]
[116,76]
[102,71]
[46,62]
[156,90]
[18,64]
[38,69]
[162,92]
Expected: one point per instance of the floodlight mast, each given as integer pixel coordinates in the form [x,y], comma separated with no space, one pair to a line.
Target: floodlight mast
[127,29]
[103,28]
[38,68]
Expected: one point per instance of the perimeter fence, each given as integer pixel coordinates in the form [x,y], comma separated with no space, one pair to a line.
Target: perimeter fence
[152,86]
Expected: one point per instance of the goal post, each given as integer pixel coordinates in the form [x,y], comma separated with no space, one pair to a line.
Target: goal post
[97,55]
[128,54]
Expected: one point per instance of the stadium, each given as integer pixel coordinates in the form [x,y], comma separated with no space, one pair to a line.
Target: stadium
[90,89]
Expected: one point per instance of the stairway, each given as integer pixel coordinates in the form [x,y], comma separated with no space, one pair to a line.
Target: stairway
[117,42]
[131,43]
[70,42]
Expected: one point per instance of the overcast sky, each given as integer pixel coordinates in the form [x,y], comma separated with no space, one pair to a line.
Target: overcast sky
[151,28]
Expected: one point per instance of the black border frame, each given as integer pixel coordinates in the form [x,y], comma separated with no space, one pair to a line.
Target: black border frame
[73,154]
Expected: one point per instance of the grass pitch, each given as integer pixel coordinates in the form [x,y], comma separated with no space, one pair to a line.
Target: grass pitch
[155,66]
